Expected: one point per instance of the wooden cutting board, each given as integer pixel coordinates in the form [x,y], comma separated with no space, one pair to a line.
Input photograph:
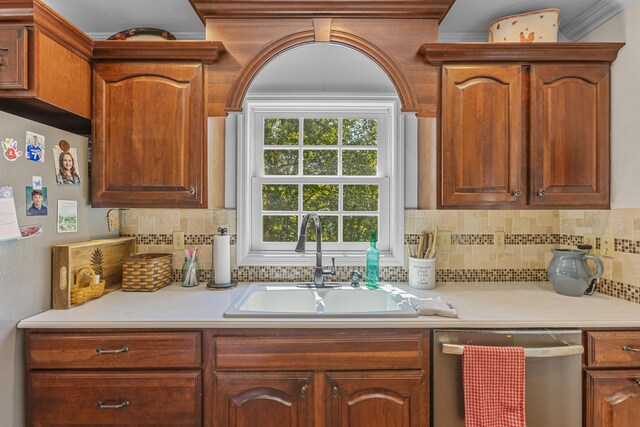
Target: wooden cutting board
[104,256]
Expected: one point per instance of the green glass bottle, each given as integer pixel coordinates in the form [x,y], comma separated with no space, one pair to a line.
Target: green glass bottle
[373,262]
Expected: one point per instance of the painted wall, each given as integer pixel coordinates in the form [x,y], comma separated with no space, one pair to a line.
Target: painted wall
[625,92]
[25,265]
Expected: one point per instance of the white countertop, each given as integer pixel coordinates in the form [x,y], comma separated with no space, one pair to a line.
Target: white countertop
[479,305]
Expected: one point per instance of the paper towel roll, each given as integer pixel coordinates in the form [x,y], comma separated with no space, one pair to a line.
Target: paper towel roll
[222,259]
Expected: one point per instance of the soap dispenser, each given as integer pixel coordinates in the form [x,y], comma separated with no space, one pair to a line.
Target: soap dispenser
[373,262]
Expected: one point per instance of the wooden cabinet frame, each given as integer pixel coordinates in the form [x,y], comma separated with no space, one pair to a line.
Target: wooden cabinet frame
[564,123]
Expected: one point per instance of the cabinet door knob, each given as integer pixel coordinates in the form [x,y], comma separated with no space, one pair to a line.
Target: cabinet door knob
[634,349]
[122,349]
[335,392]
[192,191]
[303,390]
[122,404]
[637,381]
[516,192]
[542,192]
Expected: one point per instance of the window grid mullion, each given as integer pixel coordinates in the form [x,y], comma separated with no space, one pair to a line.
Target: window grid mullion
[300,145]
[339,147]
[339,179]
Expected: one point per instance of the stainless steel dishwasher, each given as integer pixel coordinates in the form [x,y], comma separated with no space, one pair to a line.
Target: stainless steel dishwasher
[553,374]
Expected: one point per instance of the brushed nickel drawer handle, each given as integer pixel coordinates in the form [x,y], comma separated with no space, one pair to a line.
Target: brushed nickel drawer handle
[122,404]
[123,349]
[634,349]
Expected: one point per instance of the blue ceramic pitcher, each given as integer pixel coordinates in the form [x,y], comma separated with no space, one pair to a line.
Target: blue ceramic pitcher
[569,274]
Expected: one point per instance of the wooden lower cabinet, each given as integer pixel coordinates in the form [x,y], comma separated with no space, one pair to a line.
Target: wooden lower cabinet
[613,398]
[228,378]
[377,399]
[266,399]
[61,398]
[612,379]
[331,399]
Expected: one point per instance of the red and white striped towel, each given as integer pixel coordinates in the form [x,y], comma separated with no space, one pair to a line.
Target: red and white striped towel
[493,386]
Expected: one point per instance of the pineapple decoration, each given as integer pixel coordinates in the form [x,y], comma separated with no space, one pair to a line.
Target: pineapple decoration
[97,258]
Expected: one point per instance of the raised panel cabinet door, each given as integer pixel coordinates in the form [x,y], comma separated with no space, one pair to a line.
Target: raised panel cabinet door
[613,398]
[378,399]
[265,399]
[13,57]
[482,141]
[570,135]
[149,147]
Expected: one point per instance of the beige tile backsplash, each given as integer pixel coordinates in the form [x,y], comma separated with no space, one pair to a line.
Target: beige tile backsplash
[530,236]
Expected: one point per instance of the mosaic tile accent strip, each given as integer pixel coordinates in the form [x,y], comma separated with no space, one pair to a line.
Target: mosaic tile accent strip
[627,246]
[531,239]
[387,274]
[620,290]
[492,275]
[472,239]
[167,239]
[621,245]
[151,239]
[295,274]
[571,240]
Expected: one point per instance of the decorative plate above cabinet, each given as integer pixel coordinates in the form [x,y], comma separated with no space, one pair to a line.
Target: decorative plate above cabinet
[149,131]
[523,125]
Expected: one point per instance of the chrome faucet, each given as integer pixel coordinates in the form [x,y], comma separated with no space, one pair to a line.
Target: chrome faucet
[320,271]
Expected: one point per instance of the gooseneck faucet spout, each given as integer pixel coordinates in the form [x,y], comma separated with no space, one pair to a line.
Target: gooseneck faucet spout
[320,271]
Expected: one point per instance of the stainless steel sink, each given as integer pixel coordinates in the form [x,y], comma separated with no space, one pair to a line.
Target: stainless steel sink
[288,300]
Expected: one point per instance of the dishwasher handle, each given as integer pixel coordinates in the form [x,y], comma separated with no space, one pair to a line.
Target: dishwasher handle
[565,350]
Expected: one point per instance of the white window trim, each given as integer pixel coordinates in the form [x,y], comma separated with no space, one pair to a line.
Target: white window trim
[246,160]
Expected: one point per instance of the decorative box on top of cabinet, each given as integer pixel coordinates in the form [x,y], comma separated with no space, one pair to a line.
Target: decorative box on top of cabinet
[523,125]
[45,67]
[149,131]
[612,378]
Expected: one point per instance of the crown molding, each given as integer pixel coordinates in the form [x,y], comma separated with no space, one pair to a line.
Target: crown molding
[184,35]
[442,53]
[414,9]
[592,18]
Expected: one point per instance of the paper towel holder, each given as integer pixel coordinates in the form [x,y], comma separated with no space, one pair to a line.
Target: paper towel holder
[220,286]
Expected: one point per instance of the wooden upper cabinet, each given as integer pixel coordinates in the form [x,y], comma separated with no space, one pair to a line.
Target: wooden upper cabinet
[45,67]
[523,125]
[570,135]
[13,57]
[149,130]
[482,146]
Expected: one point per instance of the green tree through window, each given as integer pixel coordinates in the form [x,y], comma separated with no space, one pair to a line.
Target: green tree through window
[327,148]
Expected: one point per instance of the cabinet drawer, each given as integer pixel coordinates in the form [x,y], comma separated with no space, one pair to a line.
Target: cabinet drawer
[319,351]
[13,57]
[613,349]
[114,398]
[113,350]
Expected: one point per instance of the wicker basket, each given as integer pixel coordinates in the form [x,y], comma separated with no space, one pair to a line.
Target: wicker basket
[146,272]
[84,287]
